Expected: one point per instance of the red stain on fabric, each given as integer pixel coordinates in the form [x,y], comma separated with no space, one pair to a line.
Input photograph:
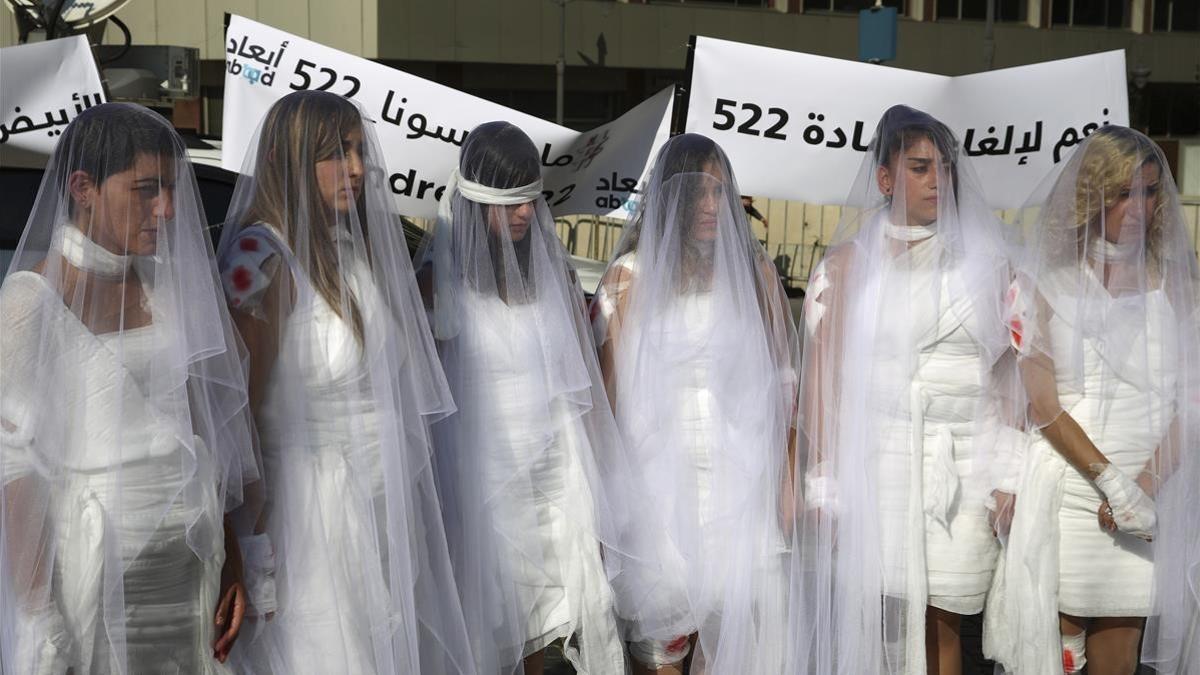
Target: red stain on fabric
[241,278]
[1017,329]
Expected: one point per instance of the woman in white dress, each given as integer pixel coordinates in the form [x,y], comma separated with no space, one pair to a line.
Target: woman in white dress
[905,385]
[344,380]
[124,433]
[1104,315]
[697,347]
[528,463]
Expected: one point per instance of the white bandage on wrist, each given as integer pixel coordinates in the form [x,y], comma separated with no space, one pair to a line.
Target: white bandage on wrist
[43,645]
[258,561]
[1132,510]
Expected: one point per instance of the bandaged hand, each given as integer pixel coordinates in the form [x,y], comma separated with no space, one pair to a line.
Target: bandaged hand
[1001,506]
[1132,510]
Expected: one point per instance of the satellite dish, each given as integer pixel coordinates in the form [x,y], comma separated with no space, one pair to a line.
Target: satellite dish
[60,18]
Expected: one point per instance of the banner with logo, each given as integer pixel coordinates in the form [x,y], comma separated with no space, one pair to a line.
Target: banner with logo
[422,124]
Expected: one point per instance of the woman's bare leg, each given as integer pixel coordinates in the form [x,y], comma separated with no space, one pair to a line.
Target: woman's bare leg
[1071,626]
[943,646]
[1112,645]
[535,663]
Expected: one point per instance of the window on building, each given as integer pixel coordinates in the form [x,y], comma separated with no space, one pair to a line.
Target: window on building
[850,6]
[1176,15]
[1006,10]
[722,3]
[1168,108]
[1101,13]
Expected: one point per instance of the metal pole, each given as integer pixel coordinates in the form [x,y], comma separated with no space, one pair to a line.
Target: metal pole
[560,67]
[989,39]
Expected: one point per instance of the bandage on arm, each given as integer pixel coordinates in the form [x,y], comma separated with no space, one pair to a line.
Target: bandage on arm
[258,560]
[608,308]
[1133,510]
[819,386]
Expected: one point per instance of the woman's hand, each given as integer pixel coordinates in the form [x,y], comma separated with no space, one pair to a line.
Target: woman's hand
[1108,523]
[231,610]
[1001,518]
[1125,504]
[229,617]
[1105,515]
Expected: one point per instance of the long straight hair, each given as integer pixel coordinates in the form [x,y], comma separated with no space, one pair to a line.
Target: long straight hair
[301,129]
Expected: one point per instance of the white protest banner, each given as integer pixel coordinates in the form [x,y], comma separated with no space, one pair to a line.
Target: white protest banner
[796,126]
[422,124]
[1017,124]
[45,86]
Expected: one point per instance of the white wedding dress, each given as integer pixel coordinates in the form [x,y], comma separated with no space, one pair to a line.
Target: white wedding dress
[319,436]
[119,488]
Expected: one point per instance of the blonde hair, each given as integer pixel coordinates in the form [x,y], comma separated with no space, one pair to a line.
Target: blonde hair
[1113,155]
[301,129]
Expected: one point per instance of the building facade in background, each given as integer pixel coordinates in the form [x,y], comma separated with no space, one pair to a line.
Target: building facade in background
[620,52]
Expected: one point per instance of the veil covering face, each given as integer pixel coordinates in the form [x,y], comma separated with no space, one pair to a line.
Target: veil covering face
[344,382]
[697,344]
[906,413]
[124,430]
[533,477]
[1105,316]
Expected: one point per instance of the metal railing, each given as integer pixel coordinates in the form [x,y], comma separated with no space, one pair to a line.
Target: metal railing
[592,237]
[796,238]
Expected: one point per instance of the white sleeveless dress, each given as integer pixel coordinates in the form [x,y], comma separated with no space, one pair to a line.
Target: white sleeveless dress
[319,439]
[1120,389]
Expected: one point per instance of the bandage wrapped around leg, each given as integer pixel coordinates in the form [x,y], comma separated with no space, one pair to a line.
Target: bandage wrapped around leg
[1074,649]
[820,489]
[658,653]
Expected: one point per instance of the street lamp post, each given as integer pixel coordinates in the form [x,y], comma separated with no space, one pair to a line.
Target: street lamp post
[989,36]
[560,66]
